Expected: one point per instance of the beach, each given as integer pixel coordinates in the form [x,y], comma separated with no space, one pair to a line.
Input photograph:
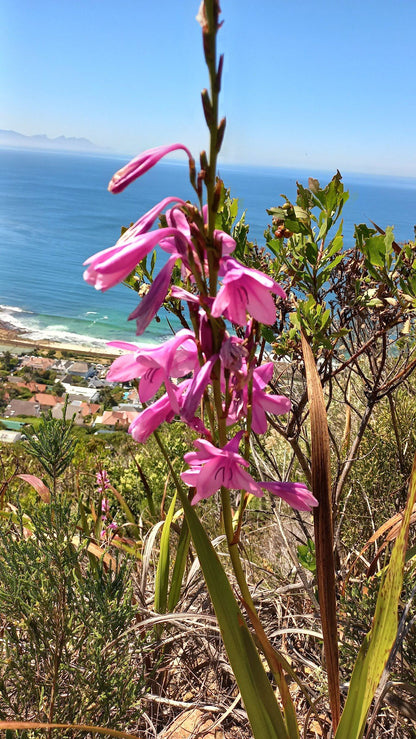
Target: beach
[13,340]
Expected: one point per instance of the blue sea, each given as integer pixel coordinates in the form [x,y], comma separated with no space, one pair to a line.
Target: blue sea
[55,211]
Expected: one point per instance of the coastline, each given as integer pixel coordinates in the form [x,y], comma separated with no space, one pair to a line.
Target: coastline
[12,338]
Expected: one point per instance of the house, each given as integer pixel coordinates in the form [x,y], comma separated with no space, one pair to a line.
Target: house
[9,437]
[75,392]
[73,410]
[45,401]
[18,407]
[127,407]
[80,369]
[37,363]
[97,382]
[34,387]
[117,419]
[78,408]
[90,409]
[61,366]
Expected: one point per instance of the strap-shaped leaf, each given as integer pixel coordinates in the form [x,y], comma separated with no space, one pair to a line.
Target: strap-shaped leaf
[322,518]
[378,643]
[179,566]
[162,572]
[259,699]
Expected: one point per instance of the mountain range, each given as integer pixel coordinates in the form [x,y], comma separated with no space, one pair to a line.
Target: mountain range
[41,141]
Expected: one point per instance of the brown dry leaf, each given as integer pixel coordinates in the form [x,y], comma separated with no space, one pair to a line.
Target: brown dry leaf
[314,726]
[322,517]
[192,724]
[102,555]
[39,486]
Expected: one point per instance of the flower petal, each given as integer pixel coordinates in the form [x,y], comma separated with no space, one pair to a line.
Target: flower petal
[141,164]
[196,388]
[296,494]
[153,301]
[123,368]
[150,419]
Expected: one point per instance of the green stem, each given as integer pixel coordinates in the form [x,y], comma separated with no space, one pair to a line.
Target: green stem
[168,460]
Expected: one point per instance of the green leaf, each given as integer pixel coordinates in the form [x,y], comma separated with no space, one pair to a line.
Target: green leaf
[162,572]
[377,645]
[179,566]
[258,696]
[312,252]
[376,250]
[268,333]
[307,556]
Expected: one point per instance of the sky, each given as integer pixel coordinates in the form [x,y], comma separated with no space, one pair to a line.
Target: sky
[314,85]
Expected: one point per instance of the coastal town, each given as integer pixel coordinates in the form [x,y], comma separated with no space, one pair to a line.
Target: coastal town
[55,382]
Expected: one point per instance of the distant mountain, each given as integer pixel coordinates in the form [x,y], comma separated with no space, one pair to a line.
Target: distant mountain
[41,141]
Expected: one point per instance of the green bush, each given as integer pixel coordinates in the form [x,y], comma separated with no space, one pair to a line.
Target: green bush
[67,654]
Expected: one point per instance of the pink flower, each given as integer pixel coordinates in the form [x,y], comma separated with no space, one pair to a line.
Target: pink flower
[296,494]
[225,241]
[111,266]
[141,164]
[146,222]
[262,402]
[153,301]
[102,480]
[152,417]
[196,389]
[243,291]
[174,358]
[232,352]
[212,468]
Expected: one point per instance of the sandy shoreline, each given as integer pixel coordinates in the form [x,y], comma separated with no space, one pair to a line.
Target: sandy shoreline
[14,339]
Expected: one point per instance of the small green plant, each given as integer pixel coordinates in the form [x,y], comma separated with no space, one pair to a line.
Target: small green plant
[67,653]
[53,444]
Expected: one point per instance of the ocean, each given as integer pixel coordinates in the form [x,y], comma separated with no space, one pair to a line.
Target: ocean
[55,212]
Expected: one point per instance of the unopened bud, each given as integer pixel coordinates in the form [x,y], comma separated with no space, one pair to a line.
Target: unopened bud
[192,172]
[220,133]
[203,160]
[219,73]
[217,194]
[207,106]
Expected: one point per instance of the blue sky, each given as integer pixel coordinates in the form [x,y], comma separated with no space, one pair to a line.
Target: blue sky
[314,85]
